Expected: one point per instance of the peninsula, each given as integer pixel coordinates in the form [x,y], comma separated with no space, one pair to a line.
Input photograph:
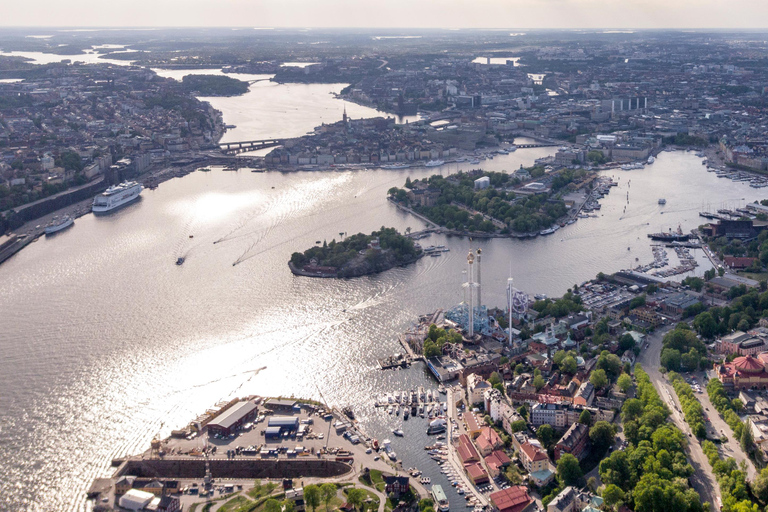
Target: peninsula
[357,255]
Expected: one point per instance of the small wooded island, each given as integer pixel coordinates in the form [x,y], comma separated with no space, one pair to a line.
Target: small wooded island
[357,255]
[214,85]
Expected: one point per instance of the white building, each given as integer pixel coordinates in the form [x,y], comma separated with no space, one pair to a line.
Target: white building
[136,499]
[482,183]
[476,388]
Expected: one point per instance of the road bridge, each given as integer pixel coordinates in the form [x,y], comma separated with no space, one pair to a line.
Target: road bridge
[249,145]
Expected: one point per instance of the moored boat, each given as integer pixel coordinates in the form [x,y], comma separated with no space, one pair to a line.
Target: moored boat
[57,224]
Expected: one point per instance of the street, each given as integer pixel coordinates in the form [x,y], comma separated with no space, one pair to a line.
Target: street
[704,481]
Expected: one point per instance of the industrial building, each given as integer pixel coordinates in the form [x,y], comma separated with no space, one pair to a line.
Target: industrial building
[284,423]
[233,418]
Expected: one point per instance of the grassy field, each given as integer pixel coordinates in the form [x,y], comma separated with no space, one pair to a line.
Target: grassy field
[234,504]
[757,276]
[259,490]
[375,478]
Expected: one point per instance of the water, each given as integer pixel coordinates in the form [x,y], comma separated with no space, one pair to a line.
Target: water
[272,110]
[89,57]
[496,60]
[107,342]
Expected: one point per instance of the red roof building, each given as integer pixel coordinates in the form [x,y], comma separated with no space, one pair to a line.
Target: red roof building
[496,462]
[488,440]
[738,262]
[466,450]
[477,473]
[744,372]
[512,499]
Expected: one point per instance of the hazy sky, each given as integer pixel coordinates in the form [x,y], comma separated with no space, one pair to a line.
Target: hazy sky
[390,13]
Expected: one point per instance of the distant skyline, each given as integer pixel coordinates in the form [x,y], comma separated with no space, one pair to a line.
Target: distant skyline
[507,14]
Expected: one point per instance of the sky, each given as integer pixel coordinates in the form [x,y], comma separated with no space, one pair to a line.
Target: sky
[510,14]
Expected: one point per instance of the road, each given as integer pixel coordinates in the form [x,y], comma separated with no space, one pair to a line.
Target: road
[718,426]
[704,481]
[453,456]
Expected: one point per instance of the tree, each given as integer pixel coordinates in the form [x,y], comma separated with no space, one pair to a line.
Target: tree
[599,379]
[568,470]
[624,382]
[426,505]
[610,363]
[327,493]
[289,506]
[585,418]
[746,441]
[569,365]
[690,361]
[626,342]
[612,495]
[671,359]
[602,434]
[538,382]
[545,434]
[559,356]
[760,485]
[272,505]
[705,324]
[312,496]
[355,497]
[518,426]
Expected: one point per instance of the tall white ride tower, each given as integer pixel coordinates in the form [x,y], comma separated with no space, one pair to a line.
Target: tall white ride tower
[510,306]
[470,295]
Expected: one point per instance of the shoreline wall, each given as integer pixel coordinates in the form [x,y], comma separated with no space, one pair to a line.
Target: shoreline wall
[237,468]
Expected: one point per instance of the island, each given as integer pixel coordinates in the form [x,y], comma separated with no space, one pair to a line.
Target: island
[214,85]
[525,203]
[357,255]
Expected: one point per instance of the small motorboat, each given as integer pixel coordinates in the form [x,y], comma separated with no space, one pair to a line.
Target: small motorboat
[180,261]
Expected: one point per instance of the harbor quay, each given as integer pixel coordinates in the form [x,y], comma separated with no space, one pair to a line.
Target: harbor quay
[239,446]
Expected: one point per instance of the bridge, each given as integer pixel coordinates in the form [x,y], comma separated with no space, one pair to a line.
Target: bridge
[541,145]
[249,145]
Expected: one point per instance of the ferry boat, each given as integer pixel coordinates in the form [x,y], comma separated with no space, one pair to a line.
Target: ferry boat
[57,224]
[116,196]
[440,498]
[435,163]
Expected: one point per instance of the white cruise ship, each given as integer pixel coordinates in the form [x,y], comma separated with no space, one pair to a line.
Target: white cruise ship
[116,196]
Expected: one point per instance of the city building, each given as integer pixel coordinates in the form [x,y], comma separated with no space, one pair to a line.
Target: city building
[565,501]
[513,499]
[533,457]
[744,372]
[397,485]
[574,441]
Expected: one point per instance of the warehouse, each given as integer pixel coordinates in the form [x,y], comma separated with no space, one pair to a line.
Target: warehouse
[272,432]
[233,418]
[284,423]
